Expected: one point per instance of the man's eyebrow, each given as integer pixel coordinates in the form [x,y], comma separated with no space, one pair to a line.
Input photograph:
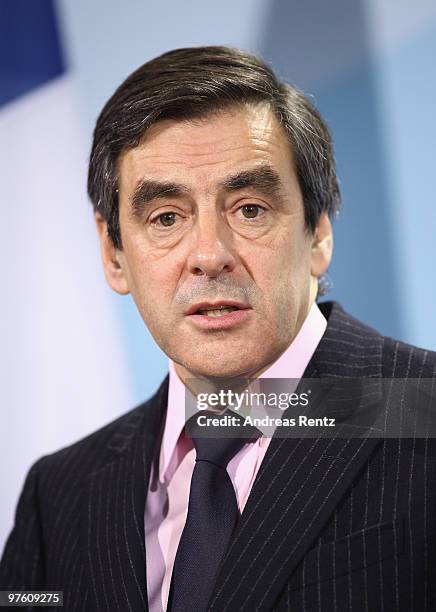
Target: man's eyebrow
[147,190]
[264,179]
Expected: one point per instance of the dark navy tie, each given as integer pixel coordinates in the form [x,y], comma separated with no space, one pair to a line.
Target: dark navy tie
[212,514]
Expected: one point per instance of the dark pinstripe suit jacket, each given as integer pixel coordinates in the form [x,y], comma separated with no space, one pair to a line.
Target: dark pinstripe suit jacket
[329,525]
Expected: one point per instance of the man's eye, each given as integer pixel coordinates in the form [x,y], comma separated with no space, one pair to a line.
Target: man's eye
[165,219]
[251,211]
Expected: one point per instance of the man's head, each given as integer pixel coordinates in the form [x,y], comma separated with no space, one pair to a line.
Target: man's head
[213,184]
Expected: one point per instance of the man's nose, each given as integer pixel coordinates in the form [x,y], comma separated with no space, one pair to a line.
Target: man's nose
[211,251]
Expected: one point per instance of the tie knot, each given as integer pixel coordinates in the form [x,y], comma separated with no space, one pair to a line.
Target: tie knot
[218,437]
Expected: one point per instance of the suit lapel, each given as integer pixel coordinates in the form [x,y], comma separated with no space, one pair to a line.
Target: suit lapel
[300,482]
[113,510]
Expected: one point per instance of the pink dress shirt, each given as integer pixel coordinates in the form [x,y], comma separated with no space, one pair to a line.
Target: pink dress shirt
[168,494]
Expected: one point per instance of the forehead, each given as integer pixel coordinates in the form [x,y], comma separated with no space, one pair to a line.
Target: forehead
[203,151]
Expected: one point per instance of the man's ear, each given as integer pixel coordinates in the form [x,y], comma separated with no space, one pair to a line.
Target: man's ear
[111,256]
[322,246]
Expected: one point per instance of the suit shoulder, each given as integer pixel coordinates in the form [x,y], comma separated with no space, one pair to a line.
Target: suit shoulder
[86,454]
[405,360]
[352,349]
[89,453]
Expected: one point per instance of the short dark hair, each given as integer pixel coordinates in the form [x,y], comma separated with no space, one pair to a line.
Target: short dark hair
[194,82]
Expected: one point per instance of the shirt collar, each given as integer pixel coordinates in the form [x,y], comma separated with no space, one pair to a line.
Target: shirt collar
[291,364]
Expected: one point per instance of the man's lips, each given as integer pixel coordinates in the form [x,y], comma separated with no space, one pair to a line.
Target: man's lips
[198,316]
[202,306]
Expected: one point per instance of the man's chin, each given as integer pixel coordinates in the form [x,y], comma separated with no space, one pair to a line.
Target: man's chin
[222,368]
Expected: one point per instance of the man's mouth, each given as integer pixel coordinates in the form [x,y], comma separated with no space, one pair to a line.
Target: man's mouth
[219,308]
[221,315]
[217,311]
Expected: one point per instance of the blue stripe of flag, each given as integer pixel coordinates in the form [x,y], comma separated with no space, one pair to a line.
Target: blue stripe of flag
[30,52]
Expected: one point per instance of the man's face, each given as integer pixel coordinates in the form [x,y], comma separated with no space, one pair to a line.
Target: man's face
[215,250]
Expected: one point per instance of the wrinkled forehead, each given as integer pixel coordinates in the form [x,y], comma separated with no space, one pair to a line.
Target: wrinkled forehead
[204,151]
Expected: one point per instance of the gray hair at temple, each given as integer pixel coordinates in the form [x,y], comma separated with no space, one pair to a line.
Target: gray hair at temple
[191,83]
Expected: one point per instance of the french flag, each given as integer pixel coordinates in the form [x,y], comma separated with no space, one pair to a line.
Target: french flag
[63,362]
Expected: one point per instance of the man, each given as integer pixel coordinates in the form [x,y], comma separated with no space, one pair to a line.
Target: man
[213,186]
